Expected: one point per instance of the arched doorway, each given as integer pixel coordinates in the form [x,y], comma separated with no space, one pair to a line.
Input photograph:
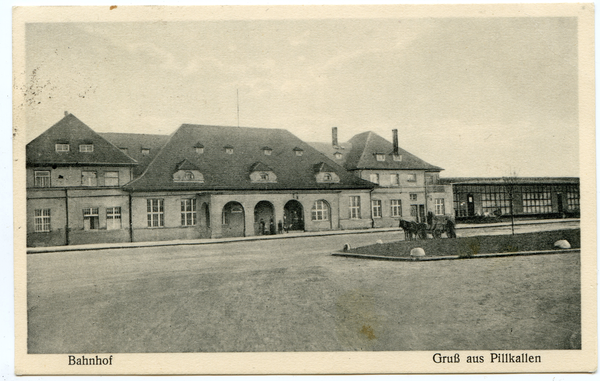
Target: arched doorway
[264,218]
[293,216]
[232,224]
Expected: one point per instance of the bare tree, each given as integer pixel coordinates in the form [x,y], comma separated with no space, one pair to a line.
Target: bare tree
[510,183]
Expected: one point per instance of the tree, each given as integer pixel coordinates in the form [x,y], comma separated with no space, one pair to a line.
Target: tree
[510,183]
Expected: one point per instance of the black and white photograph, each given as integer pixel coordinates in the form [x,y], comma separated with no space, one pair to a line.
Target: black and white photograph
[338,189]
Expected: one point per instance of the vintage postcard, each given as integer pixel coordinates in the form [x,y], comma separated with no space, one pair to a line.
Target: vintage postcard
[304,189]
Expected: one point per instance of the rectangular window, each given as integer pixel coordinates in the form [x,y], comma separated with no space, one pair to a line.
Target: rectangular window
[396,208]
[573,199]
[320,211]
[413,197]
[113,218]
[537,201]
[374,178]
[89,178]
[111,179]
[90,219]
[42,179]
[156,212]
[188,211]
[61,147]
[354,207]
[440,209]
[395,180]
[86,148]
[495,200]
[376,208]
[145,151]
[411,177]
[41,220]
[380,157]
[414,209]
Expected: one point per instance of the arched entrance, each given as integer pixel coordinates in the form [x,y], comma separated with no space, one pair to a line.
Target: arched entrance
[293,216]
[264,218]
[232,224]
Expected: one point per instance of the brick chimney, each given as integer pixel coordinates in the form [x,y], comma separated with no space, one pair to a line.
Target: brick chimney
[395,140]
[334,137]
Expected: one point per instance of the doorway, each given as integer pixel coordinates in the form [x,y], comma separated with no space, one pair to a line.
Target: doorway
[233,224]
[293,216]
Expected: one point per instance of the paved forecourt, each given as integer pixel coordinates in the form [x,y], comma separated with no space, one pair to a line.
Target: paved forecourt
[292,295]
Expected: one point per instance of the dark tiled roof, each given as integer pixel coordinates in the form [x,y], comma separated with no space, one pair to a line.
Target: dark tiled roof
[224,171]
[367,144]
[41,150]
[323,167]
[134,144]
[517,180]
[258,166]
[185,165]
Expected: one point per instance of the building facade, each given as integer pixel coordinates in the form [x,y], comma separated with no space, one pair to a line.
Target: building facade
[528,197]
[407,187]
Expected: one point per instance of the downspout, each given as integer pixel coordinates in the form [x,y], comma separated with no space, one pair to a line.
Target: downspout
[67,228]
[371,207]
[130,220]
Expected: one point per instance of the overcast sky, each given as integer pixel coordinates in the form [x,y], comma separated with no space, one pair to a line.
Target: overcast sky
[476,96]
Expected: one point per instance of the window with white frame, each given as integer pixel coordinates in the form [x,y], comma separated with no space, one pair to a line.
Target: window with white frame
[573,199]
[156,212]
[113,218]
[537,201]
[41,220]
[338,155]
[395,179]
[440,208]
[320,211]
[229,150]
[380,157]
[374,178]
[376,208]
[145,151]
[188,211]
[89,178]
[396,208]
[61,147]
[111,179]
[355,207]
[413,196]
[90,219]
[397,157]
[86,148]
[411,177]
[41,179]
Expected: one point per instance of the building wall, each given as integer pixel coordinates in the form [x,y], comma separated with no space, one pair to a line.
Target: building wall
[71,176]
[385,177]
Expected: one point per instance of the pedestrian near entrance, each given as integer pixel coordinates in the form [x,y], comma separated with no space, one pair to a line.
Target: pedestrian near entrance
[272,227]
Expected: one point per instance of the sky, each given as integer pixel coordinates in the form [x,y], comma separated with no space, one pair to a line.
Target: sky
[475,96]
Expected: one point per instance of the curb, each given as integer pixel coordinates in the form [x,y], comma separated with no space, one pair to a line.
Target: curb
[449,257]
[210,241]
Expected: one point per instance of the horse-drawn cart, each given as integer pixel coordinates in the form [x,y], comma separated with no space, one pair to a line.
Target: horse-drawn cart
[436,226]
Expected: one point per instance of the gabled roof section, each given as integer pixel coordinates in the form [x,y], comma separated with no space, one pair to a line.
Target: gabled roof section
[323,167]
[258,166]
[367,144]
[224,171]
[72,131]
[186,165]
[134,144]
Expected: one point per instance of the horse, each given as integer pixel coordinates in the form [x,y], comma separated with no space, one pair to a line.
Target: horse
[413,229]
[437,225]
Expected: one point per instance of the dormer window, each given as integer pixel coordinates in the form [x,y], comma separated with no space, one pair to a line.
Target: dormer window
[267,151]
[298,151]
[189,176]
[145,151]
[338,155]
[324,173]
[380,157]
[199,148]
[327,177]
[262,173]
[397,157]
[186,171]
[228,150]
[86,148]
[62,147]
